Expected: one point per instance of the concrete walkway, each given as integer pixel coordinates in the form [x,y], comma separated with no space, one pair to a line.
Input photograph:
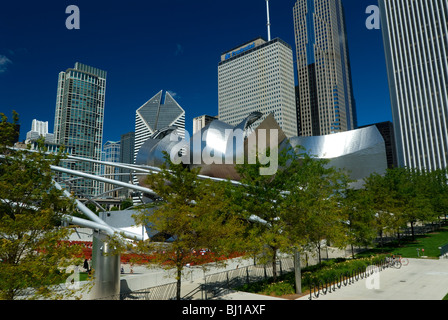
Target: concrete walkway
[421,279]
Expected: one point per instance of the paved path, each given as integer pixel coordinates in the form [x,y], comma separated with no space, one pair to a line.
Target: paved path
[422,279]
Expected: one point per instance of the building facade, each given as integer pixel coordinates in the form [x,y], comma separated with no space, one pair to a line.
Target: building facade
[258,76]
[110,153]
[415,35]
[201,121]
[325,97]
[79,120]
[159,112]
[39,129]
[126,154]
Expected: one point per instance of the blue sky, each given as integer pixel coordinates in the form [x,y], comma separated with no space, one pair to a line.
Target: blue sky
[147,46]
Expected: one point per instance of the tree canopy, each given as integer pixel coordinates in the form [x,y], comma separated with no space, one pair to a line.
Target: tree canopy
[33,254]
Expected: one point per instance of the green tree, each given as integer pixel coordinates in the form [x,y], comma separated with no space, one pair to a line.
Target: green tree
[360,218]
[316,213]
[384,193]
[8,131]
[415,191]
[401,196]
[297,205]
[33,254]
[438,192]
[196,214]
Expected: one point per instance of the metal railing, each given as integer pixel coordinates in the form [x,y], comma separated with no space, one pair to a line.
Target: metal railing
[222,283]
[162,292]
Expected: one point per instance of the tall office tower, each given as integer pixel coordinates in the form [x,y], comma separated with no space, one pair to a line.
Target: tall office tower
[415,35]
[110,153]
[79,120]
[326,100]
[258,76]
[159,112]
[126,156]
[201,121]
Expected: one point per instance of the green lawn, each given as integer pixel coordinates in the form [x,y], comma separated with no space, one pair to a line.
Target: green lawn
[408,248]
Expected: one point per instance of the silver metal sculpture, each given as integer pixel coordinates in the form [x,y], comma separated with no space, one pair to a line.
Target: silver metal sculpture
[360,152]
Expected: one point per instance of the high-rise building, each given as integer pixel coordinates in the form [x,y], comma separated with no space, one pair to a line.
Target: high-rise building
[110,153]
[126,156]
[258,76]
[326,102]
[415,35]
[39,129]
[201,121]
[79,120]
[159,112]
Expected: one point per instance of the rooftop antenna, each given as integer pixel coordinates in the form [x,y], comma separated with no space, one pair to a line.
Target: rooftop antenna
[269,22]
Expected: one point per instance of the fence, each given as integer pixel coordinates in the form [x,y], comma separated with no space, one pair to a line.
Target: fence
[223,282]
[162,292]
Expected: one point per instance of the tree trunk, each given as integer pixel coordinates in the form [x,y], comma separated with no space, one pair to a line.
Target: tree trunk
[381,238]
[179,283]
[412,230]
[318,252]
[274,265]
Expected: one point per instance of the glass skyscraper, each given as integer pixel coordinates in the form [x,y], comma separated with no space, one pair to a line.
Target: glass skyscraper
[79,120]
[415,35]
[325,97]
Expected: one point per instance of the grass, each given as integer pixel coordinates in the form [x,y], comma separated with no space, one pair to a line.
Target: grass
[408,248]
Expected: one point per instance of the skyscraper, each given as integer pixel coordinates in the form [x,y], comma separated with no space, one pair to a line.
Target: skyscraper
[39,129]
[415,35]
[159,112]
[326,102]
[201,121]
[258,76]
[79,120]
[110,153]
[126,156]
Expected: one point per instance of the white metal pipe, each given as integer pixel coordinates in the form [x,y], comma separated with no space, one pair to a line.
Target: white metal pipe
[105,228]
[81,206]
[101,179]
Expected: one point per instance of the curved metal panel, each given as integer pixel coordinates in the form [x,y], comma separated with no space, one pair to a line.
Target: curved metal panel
[217,147]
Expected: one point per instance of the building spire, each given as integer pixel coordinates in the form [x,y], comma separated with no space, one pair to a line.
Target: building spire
[269,22]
